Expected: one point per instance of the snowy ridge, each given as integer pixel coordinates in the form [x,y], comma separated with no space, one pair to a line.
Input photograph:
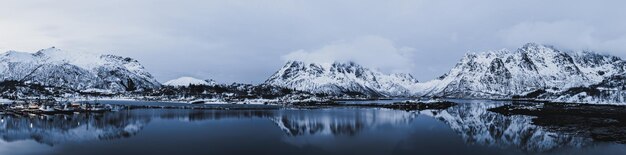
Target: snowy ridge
[504,73]
[340,79]
[186,81]
[501,74]
[610,91]
[78,71]
[534,71]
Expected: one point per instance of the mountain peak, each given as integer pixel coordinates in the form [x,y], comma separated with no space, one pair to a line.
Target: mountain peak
[406,76]
[13,52]
[186,81]
[78,70]
[531,45]
[538,48]
[340,78]
[48,50]
[531,67]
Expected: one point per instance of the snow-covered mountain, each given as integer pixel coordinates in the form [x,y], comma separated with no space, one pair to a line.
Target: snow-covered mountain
[505,73]
[79,71]
[611,90]
[341,79]
[186,81]
[493,74]
[533,72]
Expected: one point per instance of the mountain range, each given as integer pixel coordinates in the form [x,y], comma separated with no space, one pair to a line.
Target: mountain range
[341,79]
[532,71]
[493,74]
[505,73]
[53,67]
[186,81]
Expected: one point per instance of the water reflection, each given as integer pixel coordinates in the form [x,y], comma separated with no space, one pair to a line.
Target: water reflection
[470,122]
[339,122]
[478,126]
[54,129]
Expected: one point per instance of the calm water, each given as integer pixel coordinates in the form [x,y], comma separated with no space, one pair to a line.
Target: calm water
[464,129]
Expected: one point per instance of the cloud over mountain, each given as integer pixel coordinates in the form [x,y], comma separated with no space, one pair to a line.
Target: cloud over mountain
[371,51]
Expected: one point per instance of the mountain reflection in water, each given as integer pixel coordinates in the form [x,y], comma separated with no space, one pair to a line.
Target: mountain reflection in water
[55,129]
[478,126]
[319,128]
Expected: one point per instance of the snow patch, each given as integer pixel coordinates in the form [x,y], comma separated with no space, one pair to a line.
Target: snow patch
[186,81]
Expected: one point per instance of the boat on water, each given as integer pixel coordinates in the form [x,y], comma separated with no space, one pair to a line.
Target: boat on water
[197,102]
[65,108]
[47,110]
[97,107]
[33,106]
[41,107]
[17,106]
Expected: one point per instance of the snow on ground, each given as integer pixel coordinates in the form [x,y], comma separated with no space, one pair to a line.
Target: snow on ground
[5,101]
[186,81]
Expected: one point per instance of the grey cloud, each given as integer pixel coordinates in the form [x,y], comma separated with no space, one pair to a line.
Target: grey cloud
[371,51]
[243,41]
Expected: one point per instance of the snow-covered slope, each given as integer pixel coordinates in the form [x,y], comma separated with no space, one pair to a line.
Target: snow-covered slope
[341,79]
[186,81]
[611,90]
[79,71]
[505,73]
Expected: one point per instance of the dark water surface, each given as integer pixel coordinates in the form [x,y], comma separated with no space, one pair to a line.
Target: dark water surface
[464,129]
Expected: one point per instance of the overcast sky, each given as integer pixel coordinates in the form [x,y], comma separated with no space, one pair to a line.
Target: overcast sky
[248,40]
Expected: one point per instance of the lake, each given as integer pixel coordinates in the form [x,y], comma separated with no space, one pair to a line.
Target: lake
[467,128]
